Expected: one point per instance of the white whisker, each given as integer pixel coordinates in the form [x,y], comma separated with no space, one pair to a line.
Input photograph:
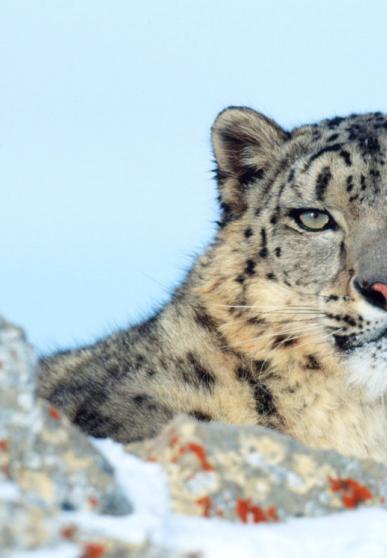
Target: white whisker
[272,322]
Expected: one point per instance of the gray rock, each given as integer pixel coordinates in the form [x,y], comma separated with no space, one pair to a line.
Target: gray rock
[46,462]
[252,474]
[24,525]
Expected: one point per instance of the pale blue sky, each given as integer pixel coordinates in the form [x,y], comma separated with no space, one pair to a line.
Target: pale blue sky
[105,110]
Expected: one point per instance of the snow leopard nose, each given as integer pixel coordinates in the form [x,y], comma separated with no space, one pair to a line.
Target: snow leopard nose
[374,292]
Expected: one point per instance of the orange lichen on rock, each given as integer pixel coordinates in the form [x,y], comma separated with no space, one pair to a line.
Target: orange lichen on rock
[68,532]
[352,492]
[208,508]
[93,550]
[174,439]
[93,501]
[3,445]
[206,504]
[54,413]
[200,453]
[251,513]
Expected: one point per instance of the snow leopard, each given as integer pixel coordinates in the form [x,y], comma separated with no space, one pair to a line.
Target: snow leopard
[282,321]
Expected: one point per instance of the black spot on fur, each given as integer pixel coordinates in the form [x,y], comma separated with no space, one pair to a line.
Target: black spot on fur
[342,318]
[243,374]
[283,341]
[202,376]
[343,342]
[322,182]
[263,252]
[316,135]
[256,321]
[349,183]
[291,175]
[271,276]
[369,145]
[250,267]
[248,232]
[261,365]
[264,401]
[293,389]
[250,175]
[334,122]
[226,214]
[277,252]
[64,393]
[204,320]
[141,399]
[333,137]
[349,320]
[90,420]
[139,361]
[322,151]
[198,415]
[312,363]
[346,156]
[240,279]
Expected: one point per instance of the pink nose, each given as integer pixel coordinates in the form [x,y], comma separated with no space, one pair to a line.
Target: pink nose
[382,289]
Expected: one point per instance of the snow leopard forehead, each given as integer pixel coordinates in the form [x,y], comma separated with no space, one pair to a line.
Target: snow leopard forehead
[341,160]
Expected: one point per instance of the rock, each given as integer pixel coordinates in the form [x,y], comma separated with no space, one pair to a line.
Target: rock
[57,466]
[46,464]
[23,525]
[251,474]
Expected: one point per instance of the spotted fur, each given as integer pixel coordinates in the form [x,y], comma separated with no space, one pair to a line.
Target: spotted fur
[276,324]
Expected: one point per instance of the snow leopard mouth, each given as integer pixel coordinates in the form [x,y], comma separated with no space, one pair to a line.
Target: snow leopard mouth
[348,343]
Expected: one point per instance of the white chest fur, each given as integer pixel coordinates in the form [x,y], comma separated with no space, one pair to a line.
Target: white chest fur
[345,418]
[367,368]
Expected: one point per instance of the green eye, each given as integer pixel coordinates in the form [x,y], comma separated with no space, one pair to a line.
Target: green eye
[313,219]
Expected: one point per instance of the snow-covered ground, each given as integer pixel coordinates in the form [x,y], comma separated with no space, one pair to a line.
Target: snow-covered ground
[357,534]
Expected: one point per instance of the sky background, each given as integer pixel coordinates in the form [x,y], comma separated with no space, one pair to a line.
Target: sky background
[105,110]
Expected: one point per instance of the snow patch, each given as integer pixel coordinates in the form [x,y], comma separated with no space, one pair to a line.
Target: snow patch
[64,551]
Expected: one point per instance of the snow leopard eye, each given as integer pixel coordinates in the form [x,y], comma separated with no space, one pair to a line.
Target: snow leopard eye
[312,219]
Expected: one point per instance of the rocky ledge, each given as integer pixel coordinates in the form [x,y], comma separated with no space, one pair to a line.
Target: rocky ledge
[251,474]
[58,491]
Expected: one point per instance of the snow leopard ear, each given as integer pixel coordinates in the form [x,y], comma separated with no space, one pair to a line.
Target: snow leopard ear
[245,143]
